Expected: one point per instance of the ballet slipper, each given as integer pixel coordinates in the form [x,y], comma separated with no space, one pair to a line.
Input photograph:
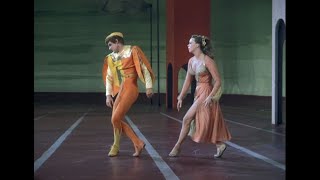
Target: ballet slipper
[174,152]
[220,150]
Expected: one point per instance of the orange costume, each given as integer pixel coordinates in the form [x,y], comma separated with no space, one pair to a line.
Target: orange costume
[208,124]
[120,73]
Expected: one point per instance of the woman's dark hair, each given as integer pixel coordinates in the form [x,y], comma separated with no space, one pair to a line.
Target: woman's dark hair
[113,39]
[205,44]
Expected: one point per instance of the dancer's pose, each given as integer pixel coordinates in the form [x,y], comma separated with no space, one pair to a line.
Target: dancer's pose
[121,70]
[203,121]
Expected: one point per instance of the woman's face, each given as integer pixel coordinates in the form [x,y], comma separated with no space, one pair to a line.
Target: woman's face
[192,45]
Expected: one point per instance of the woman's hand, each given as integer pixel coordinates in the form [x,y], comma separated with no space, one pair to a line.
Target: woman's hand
[179,103]
[208,101]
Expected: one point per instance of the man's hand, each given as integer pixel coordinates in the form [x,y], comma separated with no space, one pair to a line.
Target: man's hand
[149,92]
[109,101]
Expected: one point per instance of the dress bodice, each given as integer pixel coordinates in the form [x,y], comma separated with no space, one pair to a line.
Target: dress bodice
[199,70]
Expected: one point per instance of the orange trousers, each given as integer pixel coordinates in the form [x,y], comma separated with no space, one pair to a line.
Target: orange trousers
[127,95]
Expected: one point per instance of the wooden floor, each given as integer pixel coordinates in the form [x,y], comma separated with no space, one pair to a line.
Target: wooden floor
[73,133]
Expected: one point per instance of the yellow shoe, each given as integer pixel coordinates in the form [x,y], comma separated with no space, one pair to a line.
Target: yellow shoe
[116,144]
[220,150]
[113,151]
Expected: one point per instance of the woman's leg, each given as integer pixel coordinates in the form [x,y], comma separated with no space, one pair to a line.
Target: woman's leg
[189,116]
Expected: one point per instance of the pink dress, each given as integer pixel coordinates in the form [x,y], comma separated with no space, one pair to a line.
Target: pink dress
[208,124]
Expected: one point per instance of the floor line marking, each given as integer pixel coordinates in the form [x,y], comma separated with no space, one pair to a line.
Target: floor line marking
[162,165]
[38,163]
[280,134]
[37,118]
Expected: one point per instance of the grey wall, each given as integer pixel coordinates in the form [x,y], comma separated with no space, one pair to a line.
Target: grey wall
[69,44]
[242,34]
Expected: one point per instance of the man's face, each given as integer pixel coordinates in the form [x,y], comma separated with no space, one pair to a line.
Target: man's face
[113,46]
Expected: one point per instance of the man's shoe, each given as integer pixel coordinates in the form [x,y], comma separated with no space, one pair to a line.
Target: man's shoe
[138,149]
[113,151]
